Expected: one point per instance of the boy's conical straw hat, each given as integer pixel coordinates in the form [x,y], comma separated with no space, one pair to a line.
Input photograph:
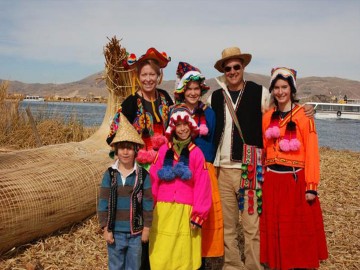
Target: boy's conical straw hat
[126,132]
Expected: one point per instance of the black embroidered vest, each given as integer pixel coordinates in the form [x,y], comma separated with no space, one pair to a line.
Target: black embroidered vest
[248,112]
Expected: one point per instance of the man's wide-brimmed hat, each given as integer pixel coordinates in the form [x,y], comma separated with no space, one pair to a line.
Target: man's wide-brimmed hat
[160,57]
[232,53]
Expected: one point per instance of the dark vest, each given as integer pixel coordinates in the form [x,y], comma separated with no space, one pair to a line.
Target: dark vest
[136,207]
[249,115]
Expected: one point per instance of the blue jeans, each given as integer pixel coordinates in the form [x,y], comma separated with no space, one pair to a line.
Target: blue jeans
[125,253]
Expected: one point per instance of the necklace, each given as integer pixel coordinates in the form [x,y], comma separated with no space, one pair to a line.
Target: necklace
[283,114]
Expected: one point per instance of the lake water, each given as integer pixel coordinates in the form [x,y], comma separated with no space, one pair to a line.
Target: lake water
[335,133]
[90,114]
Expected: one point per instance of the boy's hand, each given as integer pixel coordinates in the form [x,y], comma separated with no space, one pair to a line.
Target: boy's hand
[108,236]
[145,235]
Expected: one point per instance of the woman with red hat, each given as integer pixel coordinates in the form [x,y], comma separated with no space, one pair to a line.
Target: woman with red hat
[189,90]
[147,110]
[291,225]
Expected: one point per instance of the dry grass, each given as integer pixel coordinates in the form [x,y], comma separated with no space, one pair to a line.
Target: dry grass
[16,131]
[82,246]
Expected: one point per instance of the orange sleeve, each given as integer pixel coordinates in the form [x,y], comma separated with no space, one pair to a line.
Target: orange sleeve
[312,157]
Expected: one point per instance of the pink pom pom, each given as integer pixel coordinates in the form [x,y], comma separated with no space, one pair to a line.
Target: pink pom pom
[268,133]
[203,130]
[272,132]
[284,145]
[157,141]
[294,144]
[145,157]
[276,132]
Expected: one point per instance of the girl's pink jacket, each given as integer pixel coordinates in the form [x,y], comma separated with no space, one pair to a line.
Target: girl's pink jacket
[195,191]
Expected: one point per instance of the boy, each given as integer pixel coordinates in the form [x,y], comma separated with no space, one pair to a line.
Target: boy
[125,202]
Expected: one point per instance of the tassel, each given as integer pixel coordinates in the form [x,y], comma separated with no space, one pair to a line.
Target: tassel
[290,142]
[166,173]
[273,131]
[203,130]
[157,141]
[181,169]
[134,77]
[154,111]
[145,157]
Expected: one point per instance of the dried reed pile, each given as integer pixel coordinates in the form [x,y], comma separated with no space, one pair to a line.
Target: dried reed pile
[82,246]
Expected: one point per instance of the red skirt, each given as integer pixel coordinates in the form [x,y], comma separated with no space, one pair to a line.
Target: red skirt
[291,230]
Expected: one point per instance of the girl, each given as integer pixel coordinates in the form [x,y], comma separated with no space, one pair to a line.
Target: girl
[182,197]
[291,225]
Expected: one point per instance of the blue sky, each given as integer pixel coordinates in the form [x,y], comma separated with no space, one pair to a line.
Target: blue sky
[62,41]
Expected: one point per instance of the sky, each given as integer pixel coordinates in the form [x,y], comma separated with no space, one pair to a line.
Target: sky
[62,41]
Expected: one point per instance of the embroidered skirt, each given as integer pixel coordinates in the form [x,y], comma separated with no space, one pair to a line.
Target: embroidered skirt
[173,244]
[291,230]
[213,228]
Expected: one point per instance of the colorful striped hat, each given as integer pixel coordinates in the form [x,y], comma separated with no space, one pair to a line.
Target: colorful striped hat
[184,74]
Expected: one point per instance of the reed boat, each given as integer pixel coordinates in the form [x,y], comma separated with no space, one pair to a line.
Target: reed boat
[51,187]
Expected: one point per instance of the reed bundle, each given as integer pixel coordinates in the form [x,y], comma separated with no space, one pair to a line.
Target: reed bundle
[119,81]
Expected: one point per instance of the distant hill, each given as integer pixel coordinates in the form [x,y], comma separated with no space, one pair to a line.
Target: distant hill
[310,87]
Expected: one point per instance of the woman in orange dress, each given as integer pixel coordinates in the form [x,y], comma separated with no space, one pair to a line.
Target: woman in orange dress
[291,225]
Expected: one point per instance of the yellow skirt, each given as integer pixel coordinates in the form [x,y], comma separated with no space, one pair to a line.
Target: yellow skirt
[173,244]
[213,227]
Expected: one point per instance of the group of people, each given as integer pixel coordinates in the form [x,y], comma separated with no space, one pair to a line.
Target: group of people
[183,172]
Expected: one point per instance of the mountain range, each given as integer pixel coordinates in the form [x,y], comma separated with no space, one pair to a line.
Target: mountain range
[311,88]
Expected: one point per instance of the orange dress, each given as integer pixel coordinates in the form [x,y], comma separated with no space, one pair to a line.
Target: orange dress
[291,229]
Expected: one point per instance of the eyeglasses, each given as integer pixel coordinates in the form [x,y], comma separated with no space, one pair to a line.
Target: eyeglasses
[228,68]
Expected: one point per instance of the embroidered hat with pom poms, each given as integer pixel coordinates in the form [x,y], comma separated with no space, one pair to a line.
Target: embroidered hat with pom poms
[284,73]
[186,73]
[181,113]
[160,57]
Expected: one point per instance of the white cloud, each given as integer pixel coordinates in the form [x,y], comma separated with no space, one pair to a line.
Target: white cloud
[319,38]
